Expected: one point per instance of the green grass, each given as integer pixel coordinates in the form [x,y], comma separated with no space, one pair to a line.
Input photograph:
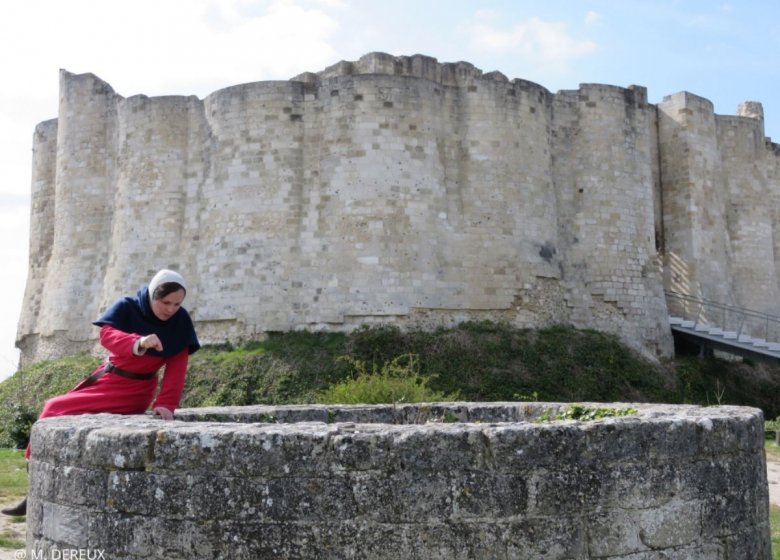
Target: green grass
[8,540]
[477,361]
[773,454]
[772,450]
[13,474]
[13,486]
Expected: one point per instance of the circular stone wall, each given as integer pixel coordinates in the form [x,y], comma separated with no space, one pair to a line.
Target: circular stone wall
[449,481]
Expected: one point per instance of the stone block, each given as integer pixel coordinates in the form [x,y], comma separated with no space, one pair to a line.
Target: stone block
[520,446]
[64,525]
[263,450]
[120,448]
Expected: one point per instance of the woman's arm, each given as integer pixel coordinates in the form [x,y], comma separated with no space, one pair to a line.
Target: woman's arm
[172,384]
[118,343]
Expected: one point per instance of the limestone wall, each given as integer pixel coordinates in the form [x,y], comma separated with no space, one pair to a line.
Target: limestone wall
[720,195]
[450,481]
[604,178]
[400,190]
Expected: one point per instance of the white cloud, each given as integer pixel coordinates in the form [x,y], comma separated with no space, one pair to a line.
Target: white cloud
[338,4]
[592,18]
[485,14]
[276,44]
[164,46]
[155,47]
[14,224]
[548,41]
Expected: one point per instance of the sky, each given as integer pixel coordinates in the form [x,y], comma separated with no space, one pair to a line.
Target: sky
[727,52]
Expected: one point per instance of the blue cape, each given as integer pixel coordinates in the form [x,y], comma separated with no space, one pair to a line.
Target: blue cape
[134,315]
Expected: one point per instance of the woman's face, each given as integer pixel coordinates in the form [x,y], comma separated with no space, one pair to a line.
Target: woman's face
[165,307]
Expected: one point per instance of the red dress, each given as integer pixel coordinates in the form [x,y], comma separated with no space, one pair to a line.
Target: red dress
[120,395]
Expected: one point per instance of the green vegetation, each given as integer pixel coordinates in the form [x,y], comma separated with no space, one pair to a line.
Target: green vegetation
[475,362]
[771,427]
[13,474]
[7,540]
[587,413]
[772,450]
[13,485]
[773,454]
[396,381]
[22,395]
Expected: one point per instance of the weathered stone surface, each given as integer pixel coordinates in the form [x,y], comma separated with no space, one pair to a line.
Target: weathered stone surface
[122,447]
[669,482]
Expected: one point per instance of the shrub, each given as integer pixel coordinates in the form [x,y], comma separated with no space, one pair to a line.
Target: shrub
[398,380]
[22,419]
[22,395]
[771,428]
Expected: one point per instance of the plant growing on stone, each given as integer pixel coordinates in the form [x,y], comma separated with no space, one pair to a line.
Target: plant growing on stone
[584,413]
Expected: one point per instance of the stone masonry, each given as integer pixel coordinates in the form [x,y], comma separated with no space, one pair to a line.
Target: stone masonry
[451,481]
[398,190]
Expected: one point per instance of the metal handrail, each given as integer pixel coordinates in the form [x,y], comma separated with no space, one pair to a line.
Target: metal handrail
[742,313]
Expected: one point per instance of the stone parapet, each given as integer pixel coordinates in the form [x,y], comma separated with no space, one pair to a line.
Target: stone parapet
[430,481]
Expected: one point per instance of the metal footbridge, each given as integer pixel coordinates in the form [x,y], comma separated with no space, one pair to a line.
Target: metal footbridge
[727,328]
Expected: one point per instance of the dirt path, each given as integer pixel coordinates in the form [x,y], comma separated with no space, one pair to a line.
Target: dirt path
[773,476]
[7,527]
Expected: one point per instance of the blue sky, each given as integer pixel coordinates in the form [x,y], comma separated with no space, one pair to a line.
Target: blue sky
[727,52]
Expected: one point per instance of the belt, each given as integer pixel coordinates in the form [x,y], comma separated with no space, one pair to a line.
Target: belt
[129,374]
[109,367]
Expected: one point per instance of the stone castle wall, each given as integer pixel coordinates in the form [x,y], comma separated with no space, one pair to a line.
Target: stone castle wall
[400,190]
[435,481]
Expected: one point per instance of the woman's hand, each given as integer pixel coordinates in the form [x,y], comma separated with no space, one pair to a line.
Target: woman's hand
[163,413]
[151,341]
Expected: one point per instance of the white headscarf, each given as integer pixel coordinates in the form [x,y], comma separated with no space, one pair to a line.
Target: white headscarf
[163,277]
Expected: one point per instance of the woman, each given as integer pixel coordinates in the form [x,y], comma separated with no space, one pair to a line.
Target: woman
[142,335]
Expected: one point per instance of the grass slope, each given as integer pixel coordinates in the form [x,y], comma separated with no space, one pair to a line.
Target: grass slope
[477,361]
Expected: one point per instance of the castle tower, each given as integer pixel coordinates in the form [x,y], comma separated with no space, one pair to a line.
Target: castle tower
[604,176]
[720,203]
[83,207]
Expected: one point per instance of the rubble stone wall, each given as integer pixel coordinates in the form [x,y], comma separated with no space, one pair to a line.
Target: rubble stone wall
[440,481]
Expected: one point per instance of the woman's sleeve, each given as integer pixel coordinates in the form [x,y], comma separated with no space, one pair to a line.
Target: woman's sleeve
[118,343]
[173,381]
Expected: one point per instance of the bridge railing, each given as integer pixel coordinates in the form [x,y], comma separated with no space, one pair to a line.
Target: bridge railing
[727,317]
